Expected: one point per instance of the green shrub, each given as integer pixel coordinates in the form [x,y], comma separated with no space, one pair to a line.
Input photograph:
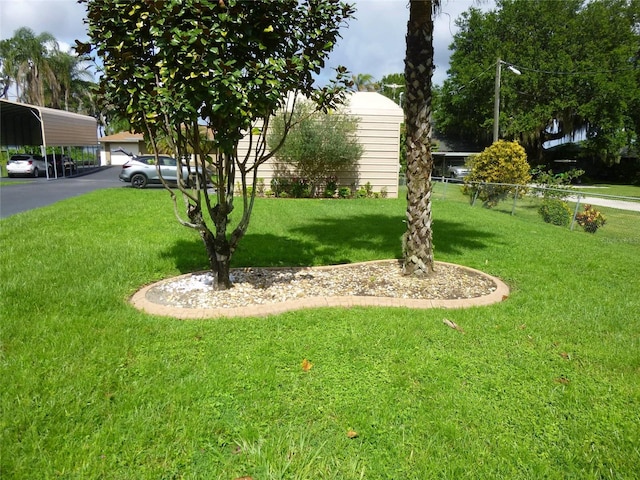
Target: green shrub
[365,191]
[260,187]
[502,163]
[556,185]
[555,211]
[331,187]
[344,192]
[317,145]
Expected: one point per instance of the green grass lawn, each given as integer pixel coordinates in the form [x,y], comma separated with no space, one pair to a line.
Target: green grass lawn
[543,385]
[611,189]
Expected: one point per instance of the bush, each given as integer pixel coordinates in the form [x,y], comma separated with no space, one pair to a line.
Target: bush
[344,192]
[503,163]
[331,187]
[555,211]
[285,187]
[318,145]
[365,191]
[591,219]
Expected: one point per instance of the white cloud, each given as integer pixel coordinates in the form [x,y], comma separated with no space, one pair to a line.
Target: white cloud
[374,43]
[61,18]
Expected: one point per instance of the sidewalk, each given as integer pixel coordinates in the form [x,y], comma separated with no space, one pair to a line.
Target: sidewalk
[608,202]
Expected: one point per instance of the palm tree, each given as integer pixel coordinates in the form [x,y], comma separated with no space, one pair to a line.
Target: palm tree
[364,82]
[418,70]
[25,62]
[71,81]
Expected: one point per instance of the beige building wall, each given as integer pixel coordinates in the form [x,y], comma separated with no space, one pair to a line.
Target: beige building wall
[379,134]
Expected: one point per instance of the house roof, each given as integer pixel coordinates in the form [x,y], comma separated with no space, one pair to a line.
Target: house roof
[372,103]
[23,124]
[122,137]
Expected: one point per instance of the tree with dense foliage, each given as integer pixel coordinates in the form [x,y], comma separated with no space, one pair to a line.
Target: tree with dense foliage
[319,146]
[227,64]
[580,68]
[417,241]
[392,86]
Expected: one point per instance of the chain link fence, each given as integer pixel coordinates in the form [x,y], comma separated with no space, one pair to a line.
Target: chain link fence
[619,211]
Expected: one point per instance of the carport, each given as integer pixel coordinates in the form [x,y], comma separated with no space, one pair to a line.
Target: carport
[23,125]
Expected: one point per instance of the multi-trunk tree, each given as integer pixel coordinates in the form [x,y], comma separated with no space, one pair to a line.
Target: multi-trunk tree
[220,69]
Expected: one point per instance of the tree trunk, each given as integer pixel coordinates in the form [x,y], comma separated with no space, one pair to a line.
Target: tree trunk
[417,242]
[217,247]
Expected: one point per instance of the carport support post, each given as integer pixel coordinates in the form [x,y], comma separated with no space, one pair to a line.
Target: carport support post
[43,152]
[575,212]
[515,200]
[44,146]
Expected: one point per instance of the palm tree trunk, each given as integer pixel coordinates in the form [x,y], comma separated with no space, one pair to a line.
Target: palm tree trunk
[417,242]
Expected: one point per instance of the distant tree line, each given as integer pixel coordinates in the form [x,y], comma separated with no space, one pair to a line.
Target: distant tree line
[580,75]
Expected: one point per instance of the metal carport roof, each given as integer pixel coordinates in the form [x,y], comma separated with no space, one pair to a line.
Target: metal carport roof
[22,124]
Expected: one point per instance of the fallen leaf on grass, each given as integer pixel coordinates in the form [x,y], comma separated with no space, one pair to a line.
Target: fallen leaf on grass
[453,325]
[504,297]
[352,434]
[562,380]
[565,355]
[306,365]
[243,478]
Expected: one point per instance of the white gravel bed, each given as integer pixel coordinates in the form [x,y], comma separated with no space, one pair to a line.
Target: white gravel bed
[260,286]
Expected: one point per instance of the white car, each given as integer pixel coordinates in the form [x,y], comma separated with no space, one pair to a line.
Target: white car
[27,164]
[141,171]
[457,170]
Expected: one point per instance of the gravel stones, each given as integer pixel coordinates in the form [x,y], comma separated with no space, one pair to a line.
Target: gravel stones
[263,286]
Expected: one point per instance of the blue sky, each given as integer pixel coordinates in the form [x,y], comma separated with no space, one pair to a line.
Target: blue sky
[374,43]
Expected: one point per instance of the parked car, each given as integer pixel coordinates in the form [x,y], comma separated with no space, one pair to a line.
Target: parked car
[141,171]
[28,164]
[63,164]
[456,169]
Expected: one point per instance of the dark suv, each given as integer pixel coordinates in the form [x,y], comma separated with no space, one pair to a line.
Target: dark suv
[63,164]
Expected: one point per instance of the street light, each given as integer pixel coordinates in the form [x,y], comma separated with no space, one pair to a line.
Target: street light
[496,103]
[394,87]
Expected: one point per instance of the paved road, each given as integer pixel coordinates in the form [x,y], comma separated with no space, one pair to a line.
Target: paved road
[30,193]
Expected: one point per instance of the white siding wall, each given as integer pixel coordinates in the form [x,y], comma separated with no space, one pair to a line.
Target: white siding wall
[379,134]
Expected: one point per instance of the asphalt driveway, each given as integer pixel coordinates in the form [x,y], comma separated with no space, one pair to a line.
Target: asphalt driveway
[30,193]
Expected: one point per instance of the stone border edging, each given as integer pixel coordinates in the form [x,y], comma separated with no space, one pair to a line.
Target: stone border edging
[139,300]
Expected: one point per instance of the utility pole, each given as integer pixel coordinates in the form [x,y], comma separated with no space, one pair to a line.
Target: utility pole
[496,102]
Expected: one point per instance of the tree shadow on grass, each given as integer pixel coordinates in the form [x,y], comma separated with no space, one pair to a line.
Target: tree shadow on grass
[455,237]
[330,241]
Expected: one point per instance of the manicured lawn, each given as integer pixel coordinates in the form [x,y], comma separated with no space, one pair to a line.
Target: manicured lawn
[543,385]
[612,189]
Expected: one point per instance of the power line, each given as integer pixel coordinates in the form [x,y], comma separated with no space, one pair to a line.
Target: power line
[583,73]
